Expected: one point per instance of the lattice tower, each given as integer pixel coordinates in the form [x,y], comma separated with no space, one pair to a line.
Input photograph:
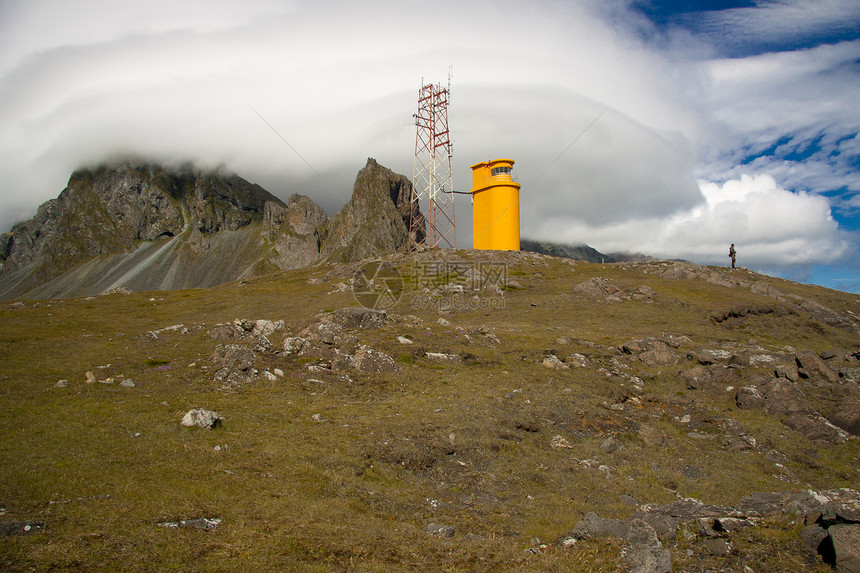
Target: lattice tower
[432,175]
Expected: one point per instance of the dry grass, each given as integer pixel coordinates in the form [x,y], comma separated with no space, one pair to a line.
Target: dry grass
[465,445]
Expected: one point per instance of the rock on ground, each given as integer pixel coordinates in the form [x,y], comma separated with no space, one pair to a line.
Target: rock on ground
[201,418]
[359,317]
[552,361]
[204,523]
[439,530]
[644,553]
[366,359]
[845,539]
[20,528]
[233,356]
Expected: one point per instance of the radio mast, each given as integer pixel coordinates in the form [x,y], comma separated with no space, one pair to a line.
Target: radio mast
[432,174]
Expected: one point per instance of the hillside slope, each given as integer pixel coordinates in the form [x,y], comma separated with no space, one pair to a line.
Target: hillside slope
[507,412]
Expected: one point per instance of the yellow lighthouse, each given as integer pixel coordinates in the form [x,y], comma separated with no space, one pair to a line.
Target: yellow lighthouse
[495,206]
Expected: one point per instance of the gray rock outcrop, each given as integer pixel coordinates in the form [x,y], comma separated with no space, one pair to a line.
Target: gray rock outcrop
[367,359]
[644,553]
[377,218]
[785,400]
[296,232]
[832,518]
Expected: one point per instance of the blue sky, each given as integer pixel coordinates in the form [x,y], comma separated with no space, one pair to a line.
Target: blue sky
[831,146]
[710,122]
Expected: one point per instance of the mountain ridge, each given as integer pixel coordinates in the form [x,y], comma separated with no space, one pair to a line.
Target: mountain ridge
[582,252]
[143,226]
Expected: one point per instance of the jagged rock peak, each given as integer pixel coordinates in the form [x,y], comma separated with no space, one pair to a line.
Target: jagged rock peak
[377,218]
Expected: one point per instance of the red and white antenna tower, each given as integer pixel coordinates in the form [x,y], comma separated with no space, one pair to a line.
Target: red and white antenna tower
[432,175]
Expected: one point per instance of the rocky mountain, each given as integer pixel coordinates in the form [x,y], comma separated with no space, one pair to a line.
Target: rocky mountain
[576,252]
[580,252]
[138,226]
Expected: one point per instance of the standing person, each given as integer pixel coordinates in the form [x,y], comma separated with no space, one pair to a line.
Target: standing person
[732,254]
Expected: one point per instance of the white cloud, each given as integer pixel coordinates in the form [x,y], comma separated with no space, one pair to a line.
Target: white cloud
[781,104]
[786,91]
[31,27]
[339,85]
[773,25]
[338,81]
[771,227]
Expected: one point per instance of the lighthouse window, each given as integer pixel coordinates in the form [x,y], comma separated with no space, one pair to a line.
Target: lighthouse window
[500,171]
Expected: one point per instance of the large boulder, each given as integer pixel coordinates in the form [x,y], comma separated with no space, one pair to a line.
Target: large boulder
[651,351]
[749,397]
[847,416]
[601,287]
[644,553]
[359,317]
[786,400]
[659,357]
[233,356]
[812,366]
[845,540]
[367,359]
[202,418]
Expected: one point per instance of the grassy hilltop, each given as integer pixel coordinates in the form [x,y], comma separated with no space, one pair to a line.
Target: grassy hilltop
[320,465]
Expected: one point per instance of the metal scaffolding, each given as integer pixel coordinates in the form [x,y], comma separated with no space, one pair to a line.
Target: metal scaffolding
[432,175]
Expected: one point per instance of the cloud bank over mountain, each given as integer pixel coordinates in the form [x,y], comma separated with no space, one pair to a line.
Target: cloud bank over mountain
[673,135]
